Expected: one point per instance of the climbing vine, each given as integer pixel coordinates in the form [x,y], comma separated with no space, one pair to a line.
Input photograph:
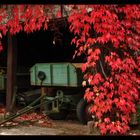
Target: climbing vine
[109,36]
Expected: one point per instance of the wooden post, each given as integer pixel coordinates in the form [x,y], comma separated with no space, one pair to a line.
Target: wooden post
[61,7]
[43,92]
[11,72]
[14,42]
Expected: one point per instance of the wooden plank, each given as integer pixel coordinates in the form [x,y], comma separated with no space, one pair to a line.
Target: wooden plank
[11,72]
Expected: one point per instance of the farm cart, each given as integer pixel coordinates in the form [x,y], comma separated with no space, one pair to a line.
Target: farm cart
[62,80]
[60,87]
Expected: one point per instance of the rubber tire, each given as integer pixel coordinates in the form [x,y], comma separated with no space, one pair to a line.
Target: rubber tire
[58,116]
[80,111]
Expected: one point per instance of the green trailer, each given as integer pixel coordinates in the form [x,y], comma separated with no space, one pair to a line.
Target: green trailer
[56,74]
[2,82]
[62,80]
[2,78]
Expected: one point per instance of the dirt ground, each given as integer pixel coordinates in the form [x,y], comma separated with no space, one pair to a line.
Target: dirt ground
[70,126]
[58,128]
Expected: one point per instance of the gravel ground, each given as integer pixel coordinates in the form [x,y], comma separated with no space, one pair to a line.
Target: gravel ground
[57,128]
[70,126]
[29,130]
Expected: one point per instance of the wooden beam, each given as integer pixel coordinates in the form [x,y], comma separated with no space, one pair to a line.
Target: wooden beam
[61,7]
[11,72]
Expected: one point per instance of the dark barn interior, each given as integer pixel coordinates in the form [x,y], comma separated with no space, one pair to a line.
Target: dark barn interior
[38,47]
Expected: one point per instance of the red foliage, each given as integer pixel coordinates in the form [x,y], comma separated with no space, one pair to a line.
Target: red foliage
[28,18]
[30,117]
[109,36]
[2,110]
[1,47]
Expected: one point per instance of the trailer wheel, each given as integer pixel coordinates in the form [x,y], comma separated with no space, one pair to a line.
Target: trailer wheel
[82,111]
[58,116]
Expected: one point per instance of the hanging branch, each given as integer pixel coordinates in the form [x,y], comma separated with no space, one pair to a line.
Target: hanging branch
[102,69]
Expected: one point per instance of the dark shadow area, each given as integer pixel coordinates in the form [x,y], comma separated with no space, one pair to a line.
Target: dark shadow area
[38,47]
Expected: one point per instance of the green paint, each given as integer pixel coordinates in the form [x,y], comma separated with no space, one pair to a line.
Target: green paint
[57,74]
[2,82]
